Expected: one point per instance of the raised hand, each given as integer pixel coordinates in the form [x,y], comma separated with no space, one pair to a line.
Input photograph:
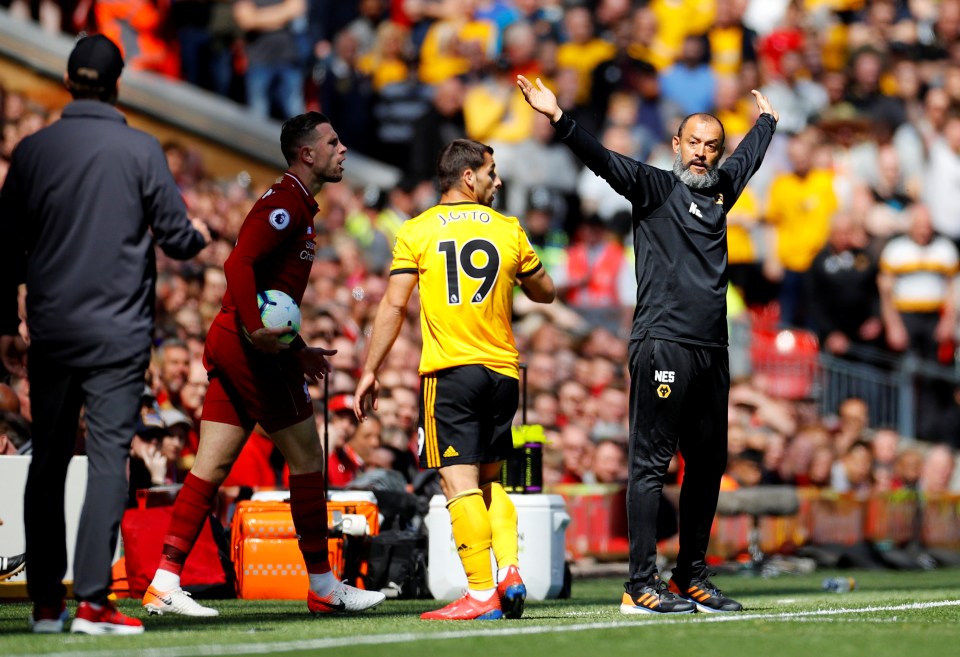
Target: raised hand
[764,104]
[540,98]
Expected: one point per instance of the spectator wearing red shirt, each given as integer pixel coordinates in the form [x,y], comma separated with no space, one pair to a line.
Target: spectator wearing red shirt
[347,462]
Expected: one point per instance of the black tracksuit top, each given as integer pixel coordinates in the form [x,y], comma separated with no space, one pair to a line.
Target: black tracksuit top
[679,234]
[82,204]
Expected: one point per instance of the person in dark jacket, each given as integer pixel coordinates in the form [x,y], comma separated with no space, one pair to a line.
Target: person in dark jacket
[678,344]
[83,202]
[841,289]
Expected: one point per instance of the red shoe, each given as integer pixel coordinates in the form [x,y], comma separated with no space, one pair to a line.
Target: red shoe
[512,593]
[105,620]
[48,620]
[467,608]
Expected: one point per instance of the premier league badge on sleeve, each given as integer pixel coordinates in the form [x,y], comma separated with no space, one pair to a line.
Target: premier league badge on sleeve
[279,218]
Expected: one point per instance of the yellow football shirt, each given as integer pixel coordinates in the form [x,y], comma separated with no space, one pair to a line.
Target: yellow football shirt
[740,222]
[583,58]
[800,209]
[467,258]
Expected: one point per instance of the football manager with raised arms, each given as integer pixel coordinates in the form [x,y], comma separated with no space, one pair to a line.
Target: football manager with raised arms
[83,203]
[679,365]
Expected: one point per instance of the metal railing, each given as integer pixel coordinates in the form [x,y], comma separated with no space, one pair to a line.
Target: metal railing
[892,385]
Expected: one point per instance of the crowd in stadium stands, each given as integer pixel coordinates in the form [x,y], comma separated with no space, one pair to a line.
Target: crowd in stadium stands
[849,230]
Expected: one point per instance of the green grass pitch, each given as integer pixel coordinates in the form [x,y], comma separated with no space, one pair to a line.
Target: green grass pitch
[902,614]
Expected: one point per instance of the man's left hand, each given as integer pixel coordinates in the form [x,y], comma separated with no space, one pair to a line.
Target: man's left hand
[314,362]
[764,104]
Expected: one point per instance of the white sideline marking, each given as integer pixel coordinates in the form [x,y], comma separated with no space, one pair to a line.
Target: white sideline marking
[408,637]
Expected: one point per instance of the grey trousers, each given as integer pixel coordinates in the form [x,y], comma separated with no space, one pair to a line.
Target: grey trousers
[110,396]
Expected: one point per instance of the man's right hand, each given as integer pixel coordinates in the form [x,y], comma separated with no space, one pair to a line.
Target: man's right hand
[367,386]
[268,340]
[13,353]
[540,98]
[202,228]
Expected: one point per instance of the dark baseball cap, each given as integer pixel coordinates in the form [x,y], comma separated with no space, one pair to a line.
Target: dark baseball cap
[95,61]
[151,425]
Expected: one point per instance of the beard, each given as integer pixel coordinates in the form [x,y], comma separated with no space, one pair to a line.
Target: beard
[695,180]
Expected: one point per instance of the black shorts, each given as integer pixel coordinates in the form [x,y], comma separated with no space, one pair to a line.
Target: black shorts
[465,416]
[678,398]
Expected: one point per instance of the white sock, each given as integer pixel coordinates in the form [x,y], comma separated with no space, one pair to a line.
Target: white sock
[482,595]
[164,580]
[502,573]
[323,584]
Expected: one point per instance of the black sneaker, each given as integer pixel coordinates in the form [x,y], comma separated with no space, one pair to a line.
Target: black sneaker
[10,566]
[707,597]
[655,599]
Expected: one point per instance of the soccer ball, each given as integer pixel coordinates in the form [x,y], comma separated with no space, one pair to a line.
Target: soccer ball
[278,309]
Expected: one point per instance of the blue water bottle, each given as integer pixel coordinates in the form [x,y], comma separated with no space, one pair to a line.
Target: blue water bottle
[839,584]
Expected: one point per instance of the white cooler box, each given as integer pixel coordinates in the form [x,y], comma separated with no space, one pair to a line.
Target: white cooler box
[541,520]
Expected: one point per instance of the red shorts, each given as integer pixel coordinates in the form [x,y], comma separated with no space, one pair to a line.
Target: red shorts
[248,387]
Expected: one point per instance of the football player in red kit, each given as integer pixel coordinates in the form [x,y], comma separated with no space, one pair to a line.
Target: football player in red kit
[256,378]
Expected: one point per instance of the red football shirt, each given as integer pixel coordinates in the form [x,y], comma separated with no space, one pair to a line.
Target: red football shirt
[274,251]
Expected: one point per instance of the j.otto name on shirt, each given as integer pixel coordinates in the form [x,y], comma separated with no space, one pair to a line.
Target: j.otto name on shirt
[466,215]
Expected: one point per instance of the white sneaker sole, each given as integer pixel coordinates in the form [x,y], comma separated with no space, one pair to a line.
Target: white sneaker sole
[630,610]
[81,626]
[46,626]
[710,610]
[155,610]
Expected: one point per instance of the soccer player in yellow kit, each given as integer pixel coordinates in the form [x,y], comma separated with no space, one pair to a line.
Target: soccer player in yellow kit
[466,258]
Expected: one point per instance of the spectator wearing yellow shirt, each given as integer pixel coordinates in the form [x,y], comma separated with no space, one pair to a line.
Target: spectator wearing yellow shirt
[583,51]
[731,106]
[733,45]
[495,116]
[645,45]
[743,265]
[801,203]
[678,19]
[450,41]
[494,113]
[385,63]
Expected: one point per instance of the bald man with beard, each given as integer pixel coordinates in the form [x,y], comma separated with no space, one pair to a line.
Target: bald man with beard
[678,360]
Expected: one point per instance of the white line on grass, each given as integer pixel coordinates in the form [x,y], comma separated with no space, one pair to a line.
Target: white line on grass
[512,630]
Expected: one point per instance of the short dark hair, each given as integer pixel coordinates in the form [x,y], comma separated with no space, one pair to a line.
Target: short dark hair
[82,91]
[298,131]
[456,157]
[706,116]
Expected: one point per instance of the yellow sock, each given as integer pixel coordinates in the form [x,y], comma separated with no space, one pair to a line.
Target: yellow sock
[503,524]
[471,531]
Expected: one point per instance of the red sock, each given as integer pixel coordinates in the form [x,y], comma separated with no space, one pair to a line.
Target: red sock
[308,506]
[190,511]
